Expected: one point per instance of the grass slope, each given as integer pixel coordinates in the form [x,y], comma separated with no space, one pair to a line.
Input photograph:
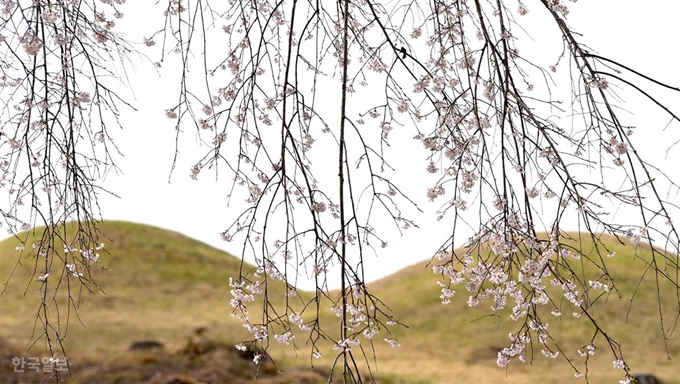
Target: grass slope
[163,285]
[152,284]
[457,344]
[156,284]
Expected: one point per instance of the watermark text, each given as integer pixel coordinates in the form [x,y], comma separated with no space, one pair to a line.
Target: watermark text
[39,364]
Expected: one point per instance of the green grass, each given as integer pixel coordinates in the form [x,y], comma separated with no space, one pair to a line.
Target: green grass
[461,343]
[154,284]
[159,284]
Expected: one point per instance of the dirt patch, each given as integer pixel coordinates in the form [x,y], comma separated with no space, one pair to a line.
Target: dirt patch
[199,362]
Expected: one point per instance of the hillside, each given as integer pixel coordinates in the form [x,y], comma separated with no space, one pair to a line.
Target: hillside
[160,285]
[462,342]
[150,283]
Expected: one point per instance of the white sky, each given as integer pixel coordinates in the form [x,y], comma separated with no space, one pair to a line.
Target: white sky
[641,36]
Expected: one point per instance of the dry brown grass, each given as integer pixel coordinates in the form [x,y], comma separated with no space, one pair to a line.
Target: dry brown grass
[161,285]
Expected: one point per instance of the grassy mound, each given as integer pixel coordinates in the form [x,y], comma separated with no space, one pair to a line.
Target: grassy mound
[154,284]
[150,283]
[459,344]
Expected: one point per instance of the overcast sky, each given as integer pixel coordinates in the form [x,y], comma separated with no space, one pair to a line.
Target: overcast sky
[642,35]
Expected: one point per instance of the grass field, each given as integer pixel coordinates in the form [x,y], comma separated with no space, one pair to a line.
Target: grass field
[161,285]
